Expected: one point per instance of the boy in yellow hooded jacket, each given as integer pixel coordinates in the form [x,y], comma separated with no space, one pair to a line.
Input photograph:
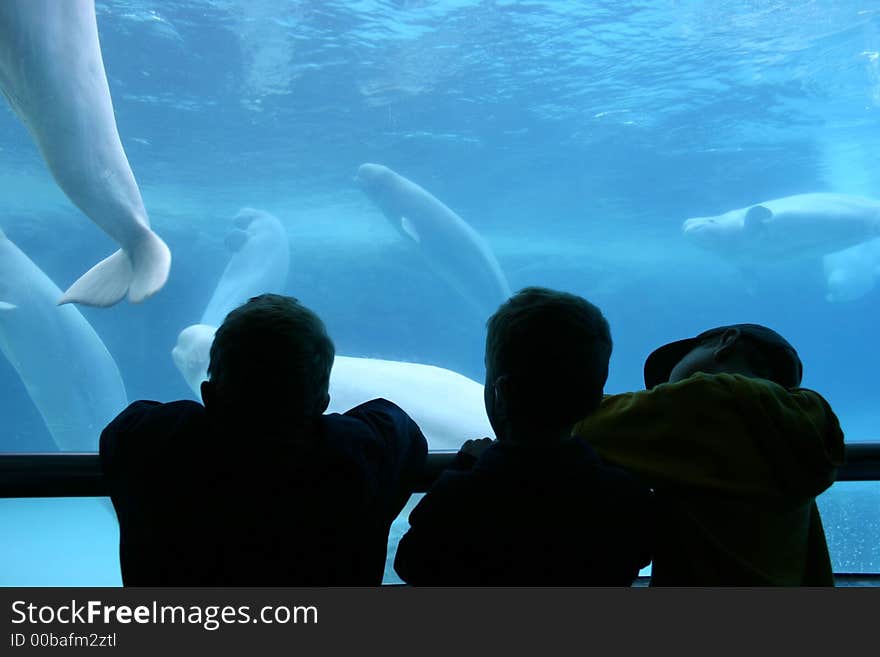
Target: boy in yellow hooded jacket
[737,453]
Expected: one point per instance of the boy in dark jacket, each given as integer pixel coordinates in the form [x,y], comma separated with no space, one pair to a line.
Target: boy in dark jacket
[535,507]
[258,487]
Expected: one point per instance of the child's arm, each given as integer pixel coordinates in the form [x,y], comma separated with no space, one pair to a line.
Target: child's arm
[722,433]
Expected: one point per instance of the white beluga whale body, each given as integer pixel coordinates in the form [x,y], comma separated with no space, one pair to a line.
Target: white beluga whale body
[259,264]
[852,273]
[52,74]
[449,245]
[447,406]
[790,228]
[65,367]
[192,354]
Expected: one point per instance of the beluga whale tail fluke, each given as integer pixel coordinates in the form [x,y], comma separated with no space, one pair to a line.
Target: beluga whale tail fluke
[52,73]
[139,274]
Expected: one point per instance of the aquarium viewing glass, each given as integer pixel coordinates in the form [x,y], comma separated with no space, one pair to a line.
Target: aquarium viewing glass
[573,138]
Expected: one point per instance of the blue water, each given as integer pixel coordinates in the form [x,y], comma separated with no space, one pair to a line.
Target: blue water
[574,136]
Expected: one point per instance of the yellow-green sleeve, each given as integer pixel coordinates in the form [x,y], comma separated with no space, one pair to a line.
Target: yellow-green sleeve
[723,433]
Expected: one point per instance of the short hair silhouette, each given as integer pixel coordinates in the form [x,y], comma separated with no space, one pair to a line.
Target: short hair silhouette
[273,350]
[555,348]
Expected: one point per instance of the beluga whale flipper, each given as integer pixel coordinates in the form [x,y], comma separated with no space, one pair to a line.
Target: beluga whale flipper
[449,245]
[790,228]
[52,74]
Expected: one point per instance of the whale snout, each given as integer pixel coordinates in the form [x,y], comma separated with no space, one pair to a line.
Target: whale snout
[192,354]
[363,172]
[368,173]
[178,355]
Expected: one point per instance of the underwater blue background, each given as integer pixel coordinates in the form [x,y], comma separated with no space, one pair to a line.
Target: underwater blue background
[574,136]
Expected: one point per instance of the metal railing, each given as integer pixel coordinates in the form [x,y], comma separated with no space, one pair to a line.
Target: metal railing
[80,475]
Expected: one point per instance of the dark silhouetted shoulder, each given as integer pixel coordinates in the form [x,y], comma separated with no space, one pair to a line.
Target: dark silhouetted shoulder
[527,515]
[200,506]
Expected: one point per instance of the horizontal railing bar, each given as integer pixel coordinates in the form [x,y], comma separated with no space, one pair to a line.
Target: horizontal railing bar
[79,475]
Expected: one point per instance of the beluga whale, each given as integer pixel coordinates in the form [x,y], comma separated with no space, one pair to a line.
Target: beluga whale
[62,362]
[259,262]
[52,74]
[449,245]
[796,227]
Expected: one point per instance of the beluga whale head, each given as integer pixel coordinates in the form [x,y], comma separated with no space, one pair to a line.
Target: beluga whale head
[369,175]
[192,354]
[730,232]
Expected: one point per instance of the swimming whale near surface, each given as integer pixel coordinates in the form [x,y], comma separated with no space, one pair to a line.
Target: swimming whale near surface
[52,74]
[259,264]
[63,364]
[449,245]
[790,228]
